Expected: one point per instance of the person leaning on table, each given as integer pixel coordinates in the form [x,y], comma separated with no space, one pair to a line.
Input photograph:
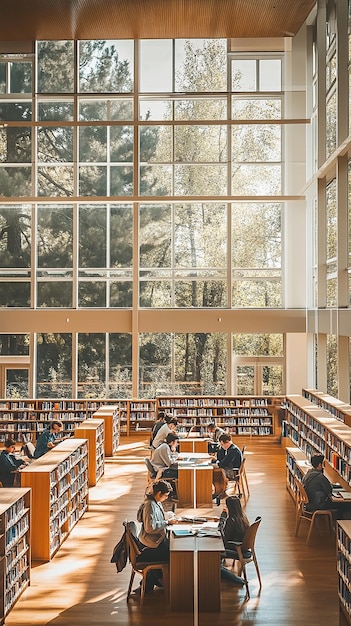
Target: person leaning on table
[48,439]
[170,426]
[9,463]
[229,457]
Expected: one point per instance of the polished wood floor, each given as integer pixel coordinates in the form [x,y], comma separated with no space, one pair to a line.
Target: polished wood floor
[80,586]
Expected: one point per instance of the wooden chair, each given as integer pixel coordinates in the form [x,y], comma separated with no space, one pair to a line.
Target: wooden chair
[244,552]
[141,568]
[309,516]
[241,486]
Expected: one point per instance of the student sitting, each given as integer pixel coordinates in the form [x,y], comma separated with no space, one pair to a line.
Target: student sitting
[165,457]
[229,457]
[9,463]
[169,427]
[48,439]
[233,524]
[214,432]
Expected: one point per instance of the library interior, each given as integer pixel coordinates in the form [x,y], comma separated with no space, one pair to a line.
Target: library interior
[176,447]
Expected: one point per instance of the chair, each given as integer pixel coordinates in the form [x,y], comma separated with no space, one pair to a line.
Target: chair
[241,485]
[309,516]
[141,568]
[152,473]
[244,552]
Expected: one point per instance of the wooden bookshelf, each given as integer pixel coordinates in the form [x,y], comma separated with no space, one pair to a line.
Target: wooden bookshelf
[15,558]
[339,409]
[315,431]
[25,419]
[239,415]
[93,431]
[110,414]
[343,533]
[59,483]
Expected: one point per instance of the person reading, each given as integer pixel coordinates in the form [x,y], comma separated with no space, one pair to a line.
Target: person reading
[9,463]
[48,439]
[229,457]
[165,457]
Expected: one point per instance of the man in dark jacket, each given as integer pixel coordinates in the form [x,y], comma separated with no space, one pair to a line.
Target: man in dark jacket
[9,463]
[229,457]
[317,486]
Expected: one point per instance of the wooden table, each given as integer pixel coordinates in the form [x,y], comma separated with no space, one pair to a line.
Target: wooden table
[193,444]
[195,481]
[195,575]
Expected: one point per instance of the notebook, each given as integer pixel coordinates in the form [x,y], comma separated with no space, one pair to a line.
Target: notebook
[182,532]
[346,495]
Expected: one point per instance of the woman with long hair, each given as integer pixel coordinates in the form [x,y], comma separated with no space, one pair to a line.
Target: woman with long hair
[233,521]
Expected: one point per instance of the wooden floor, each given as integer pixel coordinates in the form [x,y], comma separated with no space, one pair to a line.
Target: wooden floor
[80,586]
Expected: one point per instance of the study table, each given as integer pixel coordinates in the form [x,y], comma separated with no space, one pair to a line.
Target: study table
[195,576]
[195,480]
[193,444]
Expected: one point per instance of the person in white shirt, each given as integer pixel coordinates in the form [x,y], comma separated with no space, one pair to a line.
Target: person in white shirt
[165,457]
[169,427]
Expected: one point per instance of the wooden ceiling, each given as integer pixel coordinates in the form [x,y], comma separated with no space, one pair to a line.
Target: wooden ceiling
[23,20]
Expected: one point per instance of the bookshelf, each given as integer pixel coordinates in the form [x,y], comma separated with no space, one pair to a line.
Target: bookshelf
[110,414]
[59,484]
[339,409]
[136,416]
[315,431]
[240,415]
[343,533]
[93,430]
[14,546]
[25,419]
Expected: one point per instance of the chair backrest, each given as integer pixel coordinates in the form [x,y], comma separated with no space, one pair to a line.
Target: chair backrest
[243,451]
[242,466]
[302,497]
[150,467]
[250,535]
[132,542]
[29,449]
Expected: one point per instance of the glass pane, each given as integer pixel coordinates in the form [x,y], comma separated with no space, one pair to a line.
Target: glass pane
[55,144]
[256,294]
[106,66]
[203,294]
[16,294]
[200,143]
[55,180]
[200,180]
[200,109]
[91,365]
[55,66]
[15,145]
[155,294]
[92,236]
[245,380]
[54,294]
[244,75]
[16,181]
[120,365]
[121,294]
[14,345]
[155,65]
[155,233]
[20,111]
[272,380]
[3,77]
[256,236]
[256,142]
[17,383]
[155,109]
[200,237]
[55,111]
[154,363]
[92,294]
[156,144]
[54,365]
[256,109]
[200,363]
[20,77]
[256,180]
[55,236]
[258,345]
[270,74]
[121,144]
[15,243]
[200,65]
[121,181]
[92,181]
[92,143]
[121,236]
[155,180]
